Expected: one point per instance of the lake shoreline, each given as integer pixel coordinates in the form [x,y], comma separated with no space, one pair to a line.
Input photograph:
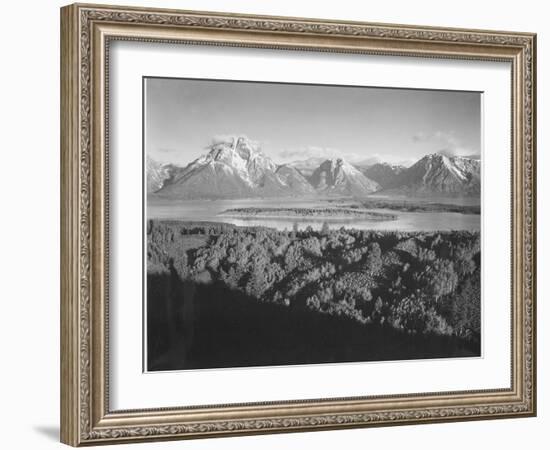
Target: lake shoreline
[306,213]
[354,216]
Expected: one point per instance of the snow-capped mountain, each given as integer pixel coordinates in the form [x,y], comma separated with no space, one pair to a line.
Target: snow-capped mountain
[336,176]
[157,174]
[384,174]
[440,174]
[235,167]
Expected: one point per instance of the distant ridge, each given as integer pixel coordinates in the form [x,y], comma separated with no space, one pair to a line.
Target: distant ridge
[384,174]
[235,167]
[307,166]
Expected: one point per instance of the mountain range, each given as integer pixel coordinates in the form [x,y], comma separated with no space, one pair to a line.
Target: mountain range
[383,173]
[235,167]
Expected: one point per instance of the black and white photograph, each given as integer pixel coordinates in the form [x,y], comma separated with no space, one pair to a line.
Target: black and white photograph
[290,224]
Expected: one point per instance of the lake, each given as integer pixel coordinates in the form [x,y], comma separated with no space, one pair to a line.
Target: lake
[208,210]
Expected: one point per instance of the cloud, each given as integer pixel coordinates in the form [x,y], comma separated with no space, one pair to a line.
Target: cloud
[230,139]
[448,143]
[321,152]
[304,153]
[446,152]
[308,152]
[444,137]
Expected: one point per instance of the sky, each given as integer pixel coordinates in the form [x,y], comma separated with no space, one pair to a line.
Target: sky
[296,121]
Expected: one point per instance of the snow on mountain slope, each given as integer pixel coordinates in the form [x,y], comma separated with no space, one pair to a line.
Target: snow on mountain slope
[336,176]
[440,174]
[157,174]
[294,180]
[234,167]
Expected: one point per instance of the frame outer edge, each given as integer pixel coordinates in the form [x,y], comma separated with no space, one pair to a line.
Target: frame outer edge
[69,185]
[534,162]
[79,425]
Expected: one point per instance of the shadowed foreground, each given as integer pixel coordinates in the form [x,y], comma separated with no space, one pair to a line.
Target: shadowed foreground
[230,329]
[226,296]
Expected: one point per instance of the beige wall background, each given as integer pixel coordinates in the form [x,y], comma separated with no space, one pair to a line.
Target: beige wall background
[29,224]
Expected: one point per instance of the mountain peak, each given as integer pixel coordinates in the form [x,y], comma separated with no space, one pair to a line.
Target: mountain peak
[233,150]
[440,174]
[443,156]
[337,163]
[235,167]
[241,154]
[336,176]
[240,145]
[435,156]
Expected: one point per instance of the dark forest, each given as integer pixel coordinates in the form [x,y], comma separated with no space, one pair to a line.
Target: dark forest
[225,296]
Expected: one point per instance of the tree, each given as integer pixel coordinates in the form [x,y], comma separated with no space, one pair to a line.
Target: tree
[312,246]
[257,283]
[464,309]
[443,278]
[294,231]
[374,258]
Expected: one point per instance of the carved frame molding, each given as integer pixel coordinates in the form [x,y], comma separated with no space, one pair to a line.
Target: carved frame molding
[86,31]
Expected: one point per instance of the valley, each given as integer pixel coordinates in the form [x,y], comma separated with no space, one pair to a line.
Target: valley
[318,261]
[235,182]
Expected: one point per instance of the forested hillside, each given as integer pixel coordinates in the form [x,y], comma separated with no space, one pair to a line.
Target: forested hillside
[364,295]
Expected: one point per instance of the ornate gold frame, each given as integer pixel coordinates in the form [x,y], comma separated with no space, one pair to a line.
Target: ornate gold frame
[86,31]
